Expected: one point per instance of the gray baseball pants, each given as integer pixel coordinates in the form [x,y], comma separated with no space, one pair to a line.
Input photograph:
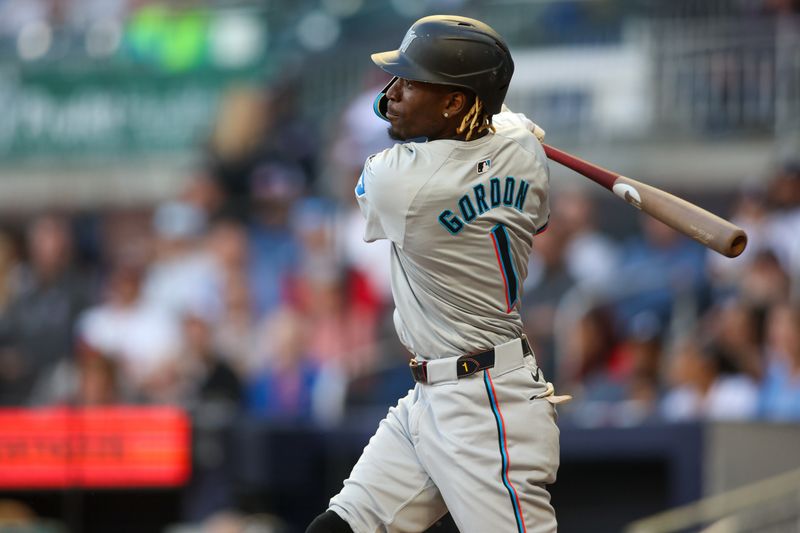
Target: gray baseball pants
[483,447]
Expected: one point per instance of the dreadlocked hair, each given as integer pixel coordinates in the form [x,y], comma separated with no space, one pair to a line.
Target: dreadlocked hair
[475,121]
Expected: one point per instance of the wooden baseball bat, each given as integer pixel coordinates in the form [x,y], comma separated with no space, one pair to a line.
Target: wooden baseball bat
[691,220]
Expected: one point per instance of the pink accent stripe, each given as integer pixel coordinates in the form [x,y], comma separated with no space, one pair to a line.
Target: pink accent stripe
[505,449]
[502,271]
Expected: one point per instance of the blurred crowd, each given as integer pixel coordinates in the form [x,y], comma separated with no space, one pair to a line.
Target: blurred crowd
[247,289]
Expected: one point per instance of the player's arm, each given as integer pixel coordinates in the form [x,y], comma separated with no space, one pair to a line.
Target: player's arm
[384,193]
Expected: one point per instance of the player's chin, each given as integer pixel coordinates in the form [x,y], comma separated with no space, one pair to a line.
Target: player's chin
[396,134]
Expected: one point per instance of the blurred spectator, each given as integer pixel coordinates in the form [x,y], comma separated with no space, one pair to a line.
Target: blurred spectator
[93,380]
[211,391]
[661,269]
[360,134]
[591,356]
[274,250]
[619,372]
[372,261]
[737,332]
[283,389]
[204,192]
[371,393]
[98,381]
[36,330]
[292,137]
[9,269]
[142,338]
[235,325]
[236,330]
[90,379]
[643,343]
[590,256]
[125,236]
[312,221]
[547,282]
[706,385]
[243,118]
[344,329]
[784,226]
[780,393]
[764,282]
[207,381]
[182,274]
[339,304]
[261,128]
[228,248]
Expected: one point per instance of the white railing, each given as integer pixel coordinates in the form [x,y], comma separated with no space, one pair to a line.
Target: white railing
[768,506]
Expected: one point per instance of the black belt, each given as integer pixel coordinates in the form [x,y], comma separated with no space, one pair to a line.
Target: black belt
[466,365]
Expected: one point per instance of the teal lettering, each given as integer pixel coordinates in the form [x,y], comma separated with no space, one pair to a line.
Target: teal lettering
[480,195]
[519,203]
[451,221]
[467,209]
[508,193]
[494,191]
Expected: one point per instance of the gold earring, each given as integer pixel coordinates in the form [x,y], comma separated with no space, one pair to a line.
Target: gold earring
[446,114]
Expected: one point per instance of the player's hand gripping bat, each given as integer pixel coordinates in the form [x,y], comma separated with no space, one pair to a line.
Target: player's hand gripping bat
[704,227]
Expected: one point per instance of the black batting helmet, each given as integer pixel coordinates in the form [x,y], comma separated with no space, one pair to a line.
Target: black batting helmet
[451,50]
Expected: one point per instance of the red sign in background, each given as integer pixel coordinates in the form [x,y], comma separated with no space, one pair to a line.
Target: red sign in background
[109,447]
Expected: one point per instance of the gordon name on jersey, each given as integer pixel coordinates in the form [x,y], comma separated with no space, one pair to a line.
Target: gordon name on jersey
[508,194]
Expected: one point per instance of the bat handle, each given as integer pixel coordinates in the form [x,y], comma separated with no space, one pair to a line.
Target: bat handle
[596,173]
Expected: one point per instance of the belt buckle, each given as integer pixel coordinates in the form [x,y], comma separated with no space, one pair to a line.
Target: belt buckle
[469,365]
[419,369]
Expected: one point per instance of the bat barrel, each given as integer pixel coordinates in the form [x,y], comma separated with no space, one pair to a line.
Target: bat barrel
[691,220]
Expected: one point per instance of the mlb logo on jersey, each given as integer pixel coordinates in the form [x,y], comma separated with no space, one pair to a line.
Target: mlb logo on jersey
[484,165]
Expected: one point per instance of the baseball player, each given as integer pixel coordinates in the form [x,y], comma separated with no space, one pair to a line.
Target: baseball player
[460,202]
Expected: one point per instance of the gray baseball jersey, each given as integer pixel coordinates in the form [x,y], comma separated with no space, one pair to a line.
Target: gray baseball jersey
[461,217]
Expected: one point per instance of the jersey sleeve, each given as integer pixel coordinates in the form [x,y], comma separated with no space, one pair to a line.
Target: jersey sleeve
[385,190]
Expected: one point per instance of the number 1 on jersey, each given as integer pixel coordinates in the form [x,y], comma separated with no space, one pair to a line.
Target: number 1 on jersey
[502,249]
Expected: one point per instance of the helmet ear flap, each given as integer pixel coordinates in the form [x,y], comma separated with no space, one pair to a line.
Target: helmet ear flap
[381,103]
